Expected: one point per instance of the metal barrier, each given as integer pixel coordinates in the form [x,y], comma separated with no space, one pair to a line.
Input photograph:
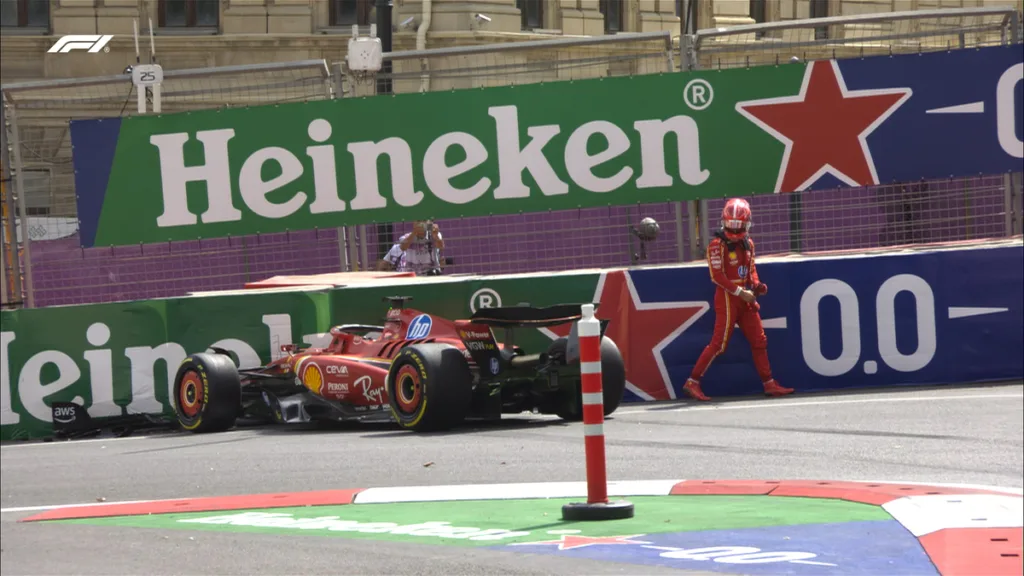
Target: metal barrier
[850,37]
[49,268]
[57,271]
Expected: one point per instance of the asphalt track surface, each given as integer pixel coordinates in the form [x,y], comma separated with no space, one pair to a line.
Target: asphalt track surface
[970,435]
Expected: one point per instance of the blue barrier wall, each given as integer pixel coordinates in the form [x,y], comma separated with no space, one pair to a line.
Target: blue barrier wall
[938,317]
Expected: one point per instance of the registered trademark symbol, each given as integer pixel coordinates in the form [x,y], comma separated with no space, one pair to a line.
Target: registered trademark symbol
[484,298]
[698,94]
[106,48]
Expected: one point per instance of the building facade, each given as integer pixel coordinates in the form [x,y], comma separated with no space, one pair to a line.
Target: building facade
[198,33]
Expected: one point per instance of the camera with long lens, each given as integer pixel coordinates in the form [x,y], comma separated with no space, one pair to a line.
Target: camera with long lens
[428,236]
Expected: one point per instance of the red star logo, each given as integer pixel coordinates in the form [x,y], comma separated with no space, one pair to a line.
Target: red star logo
[824,127]
[571,541]
[641,331]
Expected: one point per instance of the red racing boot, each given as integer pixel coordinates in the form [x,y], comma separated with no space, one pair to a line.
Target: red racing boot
[692,387]
[772,388]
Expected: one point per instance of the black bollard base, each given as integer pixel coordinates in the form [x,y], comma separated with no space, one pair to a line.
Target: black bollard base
[585,511]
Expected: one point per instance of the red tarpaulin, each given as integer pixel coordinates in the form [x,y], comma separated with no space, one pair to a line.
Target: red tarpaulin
[335,279]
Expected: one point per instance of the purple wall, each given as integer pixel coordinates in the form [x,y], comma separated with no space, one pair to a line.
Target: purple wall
[938,211]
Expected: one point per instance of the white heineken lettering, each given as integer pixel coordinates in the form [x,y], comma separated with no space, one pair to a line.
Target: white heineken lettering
[581,163]
[438,173]
[96,361]
[513,159]
[652,147]
[31,390]
[449,183]
[254,188]
[101,372]
[247,356]
[325,171]
[143,361]
[7,414]
[174,175]
[280,329]
[365,155]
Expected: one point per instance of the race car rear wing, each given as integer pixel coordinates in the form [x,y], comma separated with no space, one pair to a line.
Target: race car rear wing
[529,316]
[483,348]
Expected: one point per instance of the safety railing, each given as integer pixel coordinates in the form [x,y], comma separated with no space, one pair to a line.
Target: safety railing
[850,37]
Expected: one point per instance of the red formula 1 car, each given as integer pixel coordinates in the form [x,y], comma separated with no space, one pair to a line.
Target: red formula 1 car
[418,370]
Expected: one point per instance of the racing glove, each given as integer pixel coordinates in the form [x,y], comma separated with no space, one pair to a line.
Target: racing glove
[760,289]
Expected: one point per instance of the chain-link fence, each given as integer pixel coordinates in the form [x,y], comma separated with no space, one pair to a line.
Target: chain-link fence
[48,267]
[56,270]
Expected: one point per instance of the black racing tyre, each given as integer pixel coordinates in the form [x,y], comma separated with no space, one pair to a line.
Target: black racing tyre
[207,393]
[429,387]
[613,382]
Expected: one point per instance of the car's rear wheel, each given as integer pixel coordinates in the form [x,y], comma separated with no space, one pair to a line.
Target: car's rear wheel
[429,387]
[207,393]
[613,382]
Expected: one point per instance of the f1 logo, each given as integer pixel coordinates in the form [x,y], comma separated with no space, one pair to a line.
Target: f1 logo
[91,42]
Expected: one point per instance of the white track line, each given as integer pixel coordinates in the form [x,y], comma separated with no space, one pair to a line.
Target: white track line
[36,443]
[395,494]
[620,488]
[1004,489]
[762,404]
[59,506]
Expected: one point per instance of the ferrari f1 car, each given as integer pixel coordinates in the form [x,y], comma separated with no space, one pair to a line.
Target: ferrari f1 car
[421,371]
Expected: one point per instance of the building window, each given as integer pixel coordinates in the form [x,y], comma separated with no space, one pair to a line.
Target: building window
[188,13]
[759,14]
[612,10]
[758,11]
[819,9]
[349,12]
[25,13]
[532,13]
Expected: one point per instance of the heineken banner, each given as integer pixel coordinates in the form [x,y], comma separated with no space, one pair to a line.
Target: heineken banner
[552,146]
[844,322]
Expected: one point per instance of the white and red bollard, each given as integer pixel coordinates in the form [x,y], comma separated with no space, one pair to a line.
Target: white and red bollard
[597,506]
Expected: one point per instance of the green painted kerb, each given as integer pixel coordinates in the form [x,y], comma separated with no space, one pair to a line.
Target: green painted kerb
[491,522]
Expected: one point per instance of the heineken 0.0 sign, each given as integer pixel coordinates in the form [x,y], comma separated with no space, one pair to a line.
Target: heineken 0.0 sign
[532,148]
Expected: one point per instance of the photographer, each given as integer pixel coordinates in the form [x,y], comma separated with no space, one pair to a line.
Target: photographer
[417,251]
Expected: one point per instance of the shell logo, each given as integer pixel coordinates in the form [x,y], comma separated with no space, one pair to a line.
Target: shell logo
[312,377]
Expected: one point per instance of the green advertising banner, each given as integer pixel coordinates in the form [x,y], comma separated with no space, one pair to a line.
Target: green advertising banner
[548,146]
[120,359]
[520,149]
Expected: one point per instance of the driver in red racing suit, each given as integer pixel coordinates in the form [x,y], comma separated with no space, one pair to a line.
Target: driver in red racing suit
[731,263]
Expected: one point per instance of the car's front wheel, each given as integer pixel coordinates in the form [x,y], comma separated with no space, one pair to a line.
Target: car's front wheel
[207,393]
[429,387]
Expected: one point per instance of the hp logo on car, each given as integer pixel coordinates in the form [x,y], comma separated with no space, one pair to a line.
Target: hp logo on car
[419,327]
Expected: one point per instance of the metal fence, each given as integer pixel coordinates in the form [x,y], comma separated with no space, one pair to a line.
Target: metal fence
[47,266]
[858,36]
